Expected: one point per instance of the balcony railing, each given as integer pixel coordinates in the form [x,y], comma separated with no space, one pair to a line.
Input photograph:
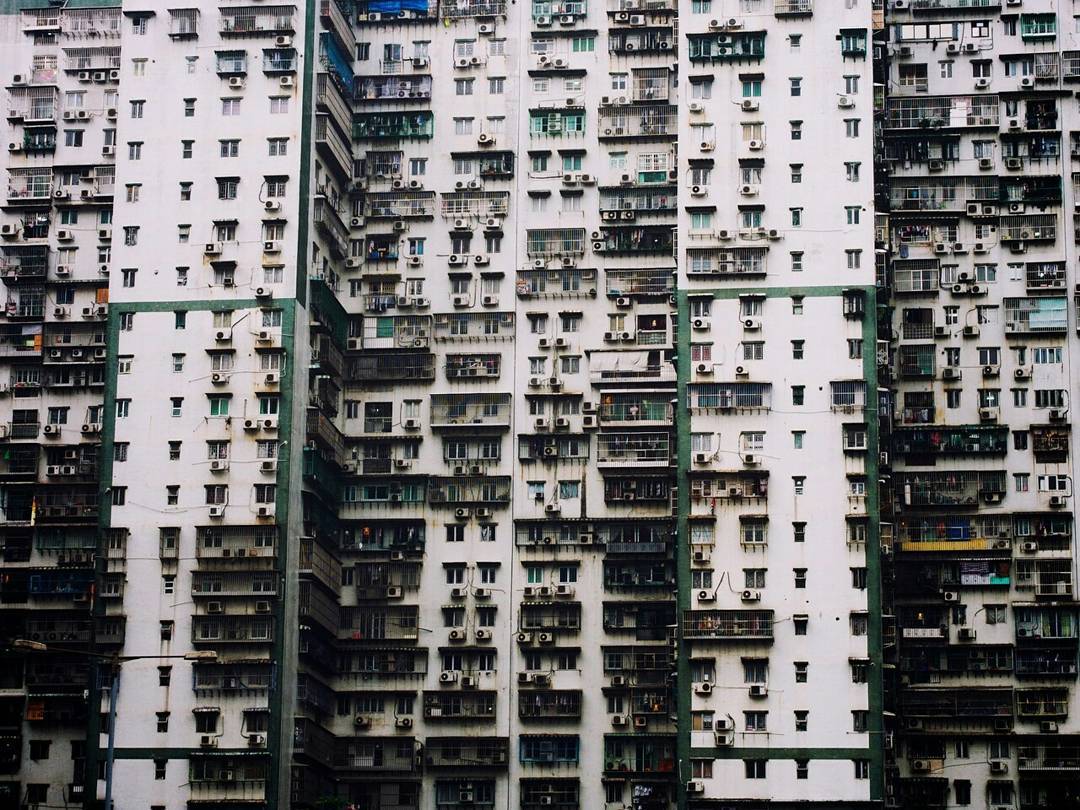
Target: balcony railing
[723,625]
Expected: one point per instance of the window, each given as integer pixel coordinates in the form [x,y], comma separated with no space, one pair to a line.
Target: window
[862,770]
[229,148]
[802,669]
[185,192]
[160,766]
[227,187]
[187,149]
[802,720]
[802,769]
[796,85]
[230,106]
[755,768]
[277,147]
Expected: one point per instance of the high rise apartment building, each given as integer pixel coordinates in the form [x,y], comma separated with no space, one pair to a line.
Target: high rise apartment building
[451,404]
[979,133]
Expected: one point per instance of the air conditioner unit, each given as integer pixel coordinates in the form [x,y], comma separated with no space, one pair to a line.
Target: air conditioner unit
[749,105]
[1057,501]
[208,741]
[217,511]
[755,145]
[751,595]
[966,634]
[236,82]
[758,690]
[845,102]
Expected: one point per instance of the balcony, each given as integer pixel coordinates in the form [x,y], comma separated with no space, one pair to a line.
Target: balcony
[944,441]
[33,105]
[1050,443]
[647,449]
[955,488]
[256,21]
[474,326]
[335,17]
[639,755]
[738,262]
[332,146]
[379,623]
[956,533]
[469,491]
[560,282]
[229,780]
[647,239]
[556,123]
[29,185]
[1044,315]
[466,752]
[641,490]
[328,221]
[793,8]
[657,37]
[943,112]
[632,576]
[459,707]
[398,88]
[393,332]
[1042,276]
[728,625]
[478,204]
[944,708]
[376,755]
[253,546]
[474,8]
[470,411]
[1028,228]
[1049,761]
[628,203]
[639,282]
[232,630]
[622,368]
[636,409]
[329,99]
[550,794]
[555,243]
[385,537]
[391,367]
[400,205]
[644,120]
[738,46]
[393,125]
[550,705]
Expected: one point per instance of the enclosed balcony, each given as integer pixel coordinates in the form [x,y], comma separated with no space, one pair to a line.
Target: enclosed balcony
[470,410]
[474,326]
[30,185]
[944,441]
[479,204]
[956,708]
[736,262]
[642,490]
[916,276]
[1049,760]
[399,205]
[632,409]
[1041,276]
[956,533]
[658,36]
[376,755]
[630,576]
[550,243]
[252,545]
[550,794]
[332,146]
[550,617]
[628,203]
[640,664]
[954,488]
[393,125]
[635,755]
[380,623]
[461,794]
[634,537]
[393,332]
[398,88]
[647,449]
[468,491]
[1039,625]
[549,122]
[559,282]
[459,707]
[644,120]
[550,705]
[728,625]
[643,620]
[654,239]
[1044,315]
[378,367]
[382,537]
[466,752]
[1050,443]
[734,46]
[943,112]
[639,282]
[232,630]
[32,105]
[229,780]
[382,664]
[1051,579]
[256,20]
[1028,228]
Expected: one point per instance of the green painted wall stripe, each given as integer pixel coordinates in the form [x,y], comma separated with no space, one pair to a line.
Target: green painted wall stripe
[307,112]
[684,698]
